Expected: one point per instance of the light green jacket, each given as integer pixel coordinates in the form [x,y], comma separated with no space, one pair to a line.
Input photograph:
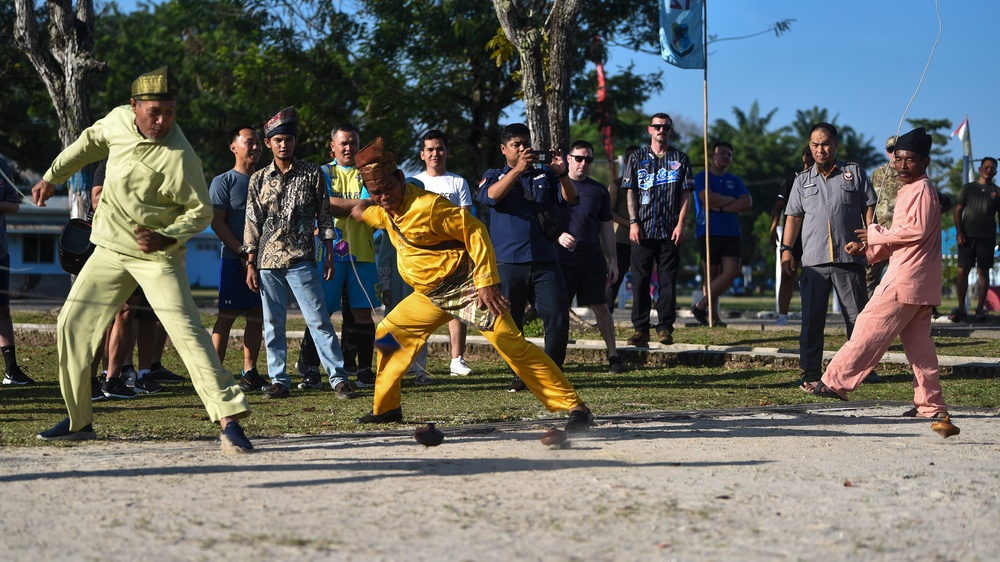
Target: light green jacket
[156,184]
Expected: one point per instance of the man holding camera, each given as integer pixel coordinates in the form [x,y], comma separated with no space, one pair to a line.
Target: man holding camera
[521,196]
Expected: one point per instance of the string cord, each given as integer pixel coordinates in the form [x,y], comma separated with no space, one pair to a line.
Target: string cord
[920,83]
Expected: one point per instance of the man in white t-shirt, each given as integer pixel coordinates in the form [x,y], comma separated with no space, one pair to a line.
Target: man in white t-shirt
[454,188]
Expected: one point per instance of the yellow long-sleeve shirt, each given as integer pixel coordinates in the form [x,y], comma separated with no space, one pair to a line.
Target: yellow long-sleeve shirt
[426,219]
[158,184]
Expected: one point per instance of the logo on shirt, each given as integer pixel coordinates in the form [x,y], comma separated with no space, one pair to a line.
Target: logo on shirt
[848,176]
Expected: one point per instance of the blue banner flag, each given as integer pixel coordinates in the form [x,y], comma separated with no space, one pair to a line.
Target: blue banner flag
[681,33]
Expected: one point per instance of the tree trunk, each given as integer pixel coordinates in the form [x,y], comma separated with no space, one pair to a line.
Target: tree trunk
[563,22]
[546,95]
[64,67]
[524,29]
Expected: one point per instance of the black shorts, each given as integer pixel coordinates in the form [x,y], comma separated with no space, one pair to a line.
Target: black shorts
[587,281]
[138,303]
[722,246]
[976,250]
[5,281]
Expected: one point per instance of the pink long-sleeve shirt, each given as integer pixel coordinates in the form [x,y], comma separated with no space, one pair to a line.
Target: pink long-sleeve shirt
[912,246]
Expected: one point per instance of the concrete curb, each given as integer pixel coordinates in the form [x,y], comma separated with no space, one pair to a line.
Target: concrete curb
[659,355]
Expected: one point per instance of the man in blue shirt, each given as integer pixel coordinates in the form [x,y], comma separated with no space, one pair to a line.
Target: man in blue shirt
[526,258]
[727,196]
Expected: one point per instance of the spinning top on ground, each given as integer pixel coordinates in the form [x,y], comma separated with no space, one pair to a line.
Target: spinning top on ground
[555,438]
[945,428]
[429,436]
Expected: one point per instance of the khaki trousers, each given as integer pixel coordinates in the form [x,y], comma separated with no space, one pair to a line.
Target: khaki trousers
[106,281]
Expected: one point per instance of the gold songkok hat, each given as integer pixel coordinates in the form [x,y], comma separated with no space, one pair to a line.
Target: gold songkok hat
[285,122]
[158,85]
[374,161]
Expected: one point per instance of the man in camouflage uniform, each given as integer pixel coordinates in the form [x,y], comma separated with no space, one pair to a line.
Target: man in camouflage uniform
[887,184]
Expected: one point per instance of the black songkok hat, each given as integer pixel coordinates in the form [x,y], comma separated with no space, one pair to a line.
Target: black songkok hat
[916,140]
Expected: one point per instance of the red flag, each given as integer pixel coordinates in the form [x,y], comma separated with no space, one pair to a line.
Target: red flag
[602,93]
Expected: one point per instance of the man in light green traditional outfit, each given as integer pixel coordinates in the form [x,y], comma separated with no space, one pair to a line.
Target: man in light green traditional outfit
[154,199]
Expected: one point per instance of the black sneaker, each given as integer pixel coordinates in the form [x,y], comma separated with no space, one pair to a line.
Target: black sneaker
[162,374]
[304,369]
[17,377]
[700,315]
[146,385]
[579,420]
[392,416]
[61,432]
[116,388]
[129,375]
[276,391]
[95,390]
[344,391]
[615,364]
[233,439]
[311,380]
[366,378]
[516,384]
[251,380]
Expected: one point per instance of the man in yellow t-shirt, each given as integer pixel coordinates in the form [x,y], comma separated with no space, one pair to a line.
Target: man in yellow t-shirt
[354,289]
[445,254]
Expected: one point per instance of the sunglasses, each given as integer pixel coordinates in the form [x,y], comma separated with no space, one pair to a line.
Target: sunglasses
[587,159]
[659,126]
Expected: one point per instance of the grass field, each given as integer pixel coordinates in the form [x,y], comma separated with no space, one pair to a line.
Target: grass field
[479,398]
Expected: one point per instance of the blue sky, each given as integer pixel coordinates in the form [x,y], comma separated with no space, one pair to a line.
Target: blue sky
[862,60]
[859,59]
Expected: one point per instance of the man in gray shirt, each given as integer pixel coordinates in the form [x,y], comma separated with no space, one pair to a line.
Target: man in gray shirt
[827,203]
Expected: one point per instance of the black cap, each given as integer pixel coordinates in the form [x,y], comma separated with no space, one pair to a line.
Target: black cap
[916,140]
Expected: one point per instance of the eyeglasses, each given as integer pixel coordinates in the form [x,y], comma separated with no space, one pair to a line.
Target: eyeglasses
[587,159]
[659,126]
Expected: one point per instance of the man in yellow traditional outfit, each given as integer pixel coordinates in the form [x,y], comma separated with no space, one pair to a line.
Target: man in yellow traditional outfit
[154,199]
[445,254]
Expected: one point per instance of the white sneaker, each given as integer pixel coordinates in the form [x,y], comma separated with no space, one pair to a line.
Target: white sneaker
[782,320]
[459,368]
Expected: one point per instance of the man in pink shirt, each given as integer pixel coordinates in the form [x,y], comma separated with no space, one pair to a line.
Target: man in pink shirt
[902,303]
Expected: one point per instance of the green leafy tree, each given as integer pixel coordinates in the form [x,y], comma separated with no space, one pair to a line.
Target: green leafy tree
[854,147]
[236,64]
[30,130]
[447,79]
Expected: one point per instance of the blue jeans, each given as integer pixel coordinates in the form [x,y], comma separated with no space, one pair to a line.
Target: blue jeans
[540,283]
[302,281]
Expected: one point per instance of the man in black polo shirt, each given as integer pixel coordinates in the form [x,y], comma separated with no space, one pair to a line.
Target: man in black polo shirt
[976,231]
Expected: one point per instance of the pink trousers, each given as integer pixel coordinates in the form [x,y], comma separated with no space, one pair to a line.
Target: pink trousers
[882,319]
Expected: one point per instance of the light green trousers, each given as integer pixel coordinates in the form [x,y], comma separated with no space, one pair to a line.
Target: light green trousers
[106,281]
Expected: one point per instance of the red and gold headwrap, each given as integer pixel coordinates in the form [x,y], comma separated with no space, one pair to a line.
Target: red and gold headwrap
[374,161]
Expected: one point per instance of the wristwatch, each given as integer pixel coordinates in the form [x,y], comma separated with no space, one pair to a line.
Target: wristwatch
[633,221]
[786,248]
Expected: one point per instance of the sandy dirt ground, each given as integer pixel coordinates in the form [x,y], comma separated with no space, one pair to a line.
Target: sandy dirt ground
[812,482]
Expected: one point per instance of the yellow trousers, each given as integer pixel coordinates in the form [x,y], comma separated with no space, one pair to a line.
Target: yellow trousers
[106,281]
[414,319]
